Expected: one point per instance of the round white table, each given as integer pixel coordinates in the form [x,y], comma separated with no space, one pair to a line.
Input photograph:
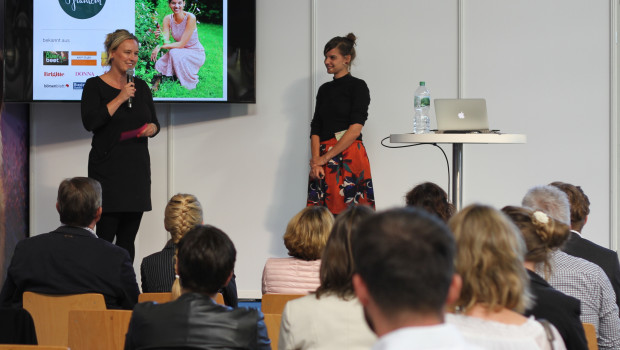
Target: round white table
[457,141]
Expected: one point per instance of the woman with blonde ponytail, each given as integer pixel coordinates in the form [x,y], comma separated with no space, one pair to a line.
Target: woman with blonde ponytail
[542,234]
[183,212]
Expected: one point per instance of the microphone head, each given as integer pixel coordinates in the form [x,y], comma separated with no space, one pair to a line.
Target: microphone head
[130,72]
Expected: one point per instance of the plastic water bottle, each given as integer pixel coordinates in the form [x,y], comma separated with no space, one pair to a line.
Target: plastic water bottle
[422,105]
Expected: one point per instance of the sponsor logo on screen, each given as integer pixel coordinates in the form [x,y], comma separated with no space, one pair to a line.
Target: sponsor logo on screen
[55,58]
[82,9]
[53,74]
[78,85]
[55,86]
[104,58]
[84,74]
[83,58]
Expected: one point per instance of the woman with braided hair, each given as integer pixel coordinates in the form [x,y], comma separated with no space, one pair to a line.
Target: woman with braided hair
[542,234]
[183,212]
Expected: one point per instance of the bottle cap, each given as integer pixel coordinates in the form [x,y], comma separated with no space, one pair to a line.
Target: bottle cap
[422,83]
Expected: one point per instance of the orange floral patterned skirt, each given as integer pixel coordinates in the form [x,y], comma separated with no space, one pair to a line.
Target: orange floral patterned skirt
[347,179]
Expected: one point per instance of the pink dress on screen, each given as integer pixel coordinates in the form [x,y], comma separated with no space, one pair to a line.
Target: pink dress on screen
[184,62]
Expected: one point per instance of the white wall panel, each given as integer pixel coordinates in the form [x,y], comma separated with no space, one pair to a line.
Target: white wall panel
[544,69]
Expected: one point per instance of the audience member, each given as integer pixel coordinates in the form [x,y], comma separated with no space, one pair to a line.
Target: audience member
[182,213]
[577,277]
[431,198]
[542,234]
[580,247]
[205,263]
[305,238]
[332,317]
[404,277]
[17,327]
[71,259]
[495,290]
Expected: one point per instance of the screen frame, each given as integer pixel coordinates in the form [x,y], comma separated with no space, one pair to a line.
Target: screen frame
[17,54]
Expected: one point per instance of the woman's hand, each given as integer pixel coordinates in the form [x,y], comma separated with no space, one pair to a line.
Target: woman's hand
[318,161]
[157,32]
[154,53]
[317,172]
[129,90]
[149,131]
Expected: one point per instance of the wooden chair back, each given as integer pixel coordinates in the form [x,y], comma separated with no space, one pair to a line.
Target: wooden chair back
[51,313]
[98,329]
[161,298]
[274,303]
[31,347]
[272,322]
[590,331]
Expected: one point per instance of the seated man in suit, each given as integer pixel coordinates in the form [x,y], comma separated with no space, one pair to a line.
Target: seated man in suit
[577,277]
[205,262]
[580,247]
[71,259]
[404,260]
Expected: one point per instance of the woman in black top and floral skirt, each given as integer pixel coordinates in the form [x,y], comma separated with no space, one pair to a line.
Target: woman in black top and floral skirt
[339,168]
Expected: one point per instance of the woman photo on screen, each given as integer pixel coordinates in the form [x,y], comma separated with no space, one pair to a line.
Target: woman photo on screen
[118,109]
[186,54]
[339,168]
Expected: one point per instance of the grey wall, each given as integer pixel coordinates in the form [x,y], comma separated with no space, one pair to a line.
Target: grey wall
[543,67]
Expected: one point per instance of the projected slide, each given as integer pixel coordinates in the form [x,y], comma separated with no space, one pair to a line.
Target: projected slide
[178,62]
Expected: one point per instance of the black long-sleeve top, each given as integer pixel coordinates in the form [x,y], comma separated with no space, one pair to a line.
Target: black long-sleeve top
[122,167]
[339,104]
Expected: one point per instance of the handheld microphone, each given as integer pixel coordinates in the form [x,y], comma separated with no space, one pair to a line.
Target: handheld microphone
[130,73]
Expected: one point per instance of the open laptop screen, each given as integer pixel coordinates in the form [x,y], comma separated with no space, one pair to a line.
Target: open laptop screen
[461,115]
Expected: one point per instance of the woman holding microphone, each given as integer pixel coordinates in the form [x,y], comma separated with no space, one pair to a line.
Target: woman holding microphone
[119,110]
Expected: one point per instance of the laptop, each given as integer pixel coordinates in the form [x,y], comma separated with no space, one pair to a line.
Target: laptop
[467,115]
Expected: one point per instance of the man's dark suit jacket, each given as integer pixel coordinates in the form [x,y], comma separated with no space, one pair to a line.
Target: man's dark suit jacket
[607,259]
[558,308]
[70,260]
[157,273]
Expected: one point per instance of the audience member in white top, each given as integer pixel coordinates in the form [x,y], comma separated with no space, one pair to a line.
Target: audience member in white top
[404,277]
[305,238]
[494,335]
[577,277]
[331,318]
[495,290]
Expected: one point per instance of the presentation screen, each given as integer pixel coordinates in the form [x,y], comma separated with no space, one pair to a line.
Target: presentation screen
[212,58]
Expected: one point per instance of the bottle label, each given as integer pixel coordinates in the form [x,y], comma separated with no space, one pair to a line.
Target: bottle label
[422,102]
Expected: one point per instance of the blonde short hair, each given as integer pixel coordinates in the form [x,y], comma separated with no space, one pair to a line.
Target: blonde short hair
[182,213]
[307,232]
[489,259]
[115,39]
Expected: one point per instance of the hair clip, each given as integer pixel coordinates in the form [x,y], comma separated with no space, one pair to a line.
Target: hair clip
[541,217]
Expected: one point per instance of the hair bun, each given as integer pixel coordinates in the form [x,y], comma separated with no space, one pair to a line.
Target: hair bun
[551,232]
[351,37]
